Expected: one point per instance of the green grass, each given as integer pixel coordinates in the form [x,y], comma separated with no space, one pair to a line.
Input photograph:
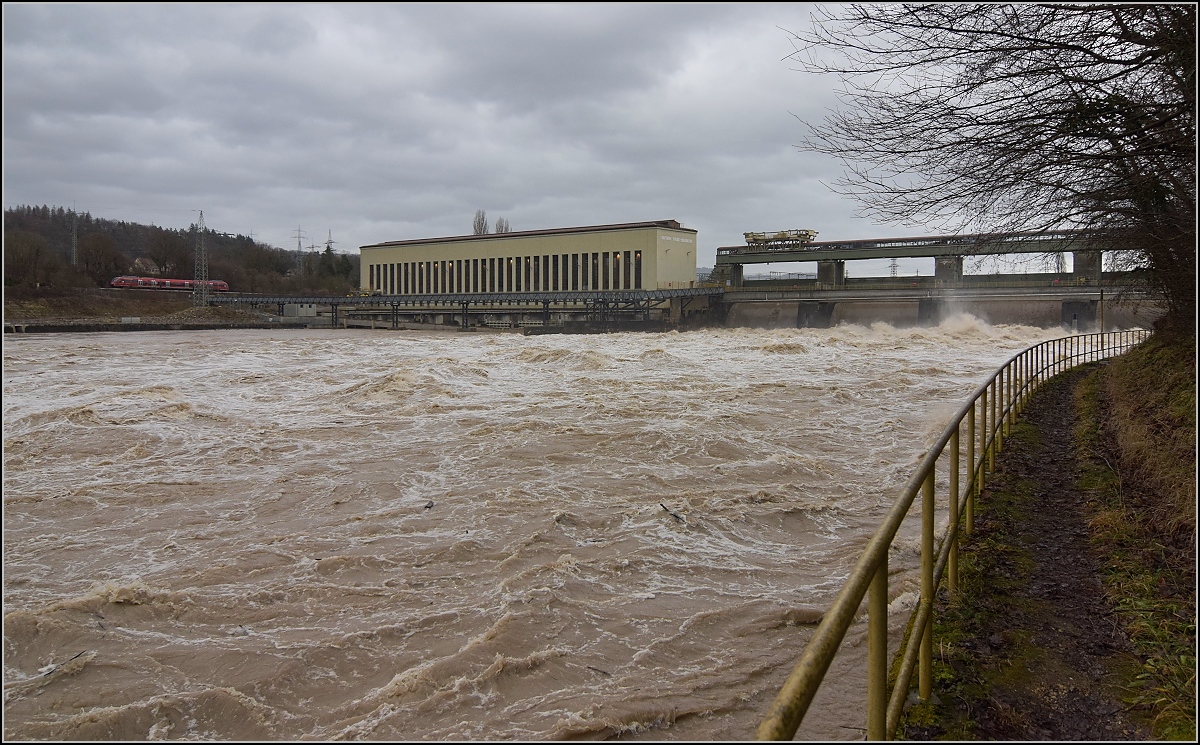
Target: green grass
[1130,454]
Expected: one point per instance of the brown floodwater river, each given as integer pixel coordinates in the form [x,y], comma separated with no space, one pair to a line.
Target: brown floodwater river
[316,534]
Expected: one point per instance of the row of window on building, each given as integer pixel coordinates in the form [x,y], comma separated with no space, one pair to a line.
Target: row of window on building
[607,270]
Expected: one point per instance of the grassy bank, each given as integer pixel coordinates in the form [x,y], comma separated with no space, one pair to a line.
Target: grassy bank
[1136,438]
[1134,443]
[23,304]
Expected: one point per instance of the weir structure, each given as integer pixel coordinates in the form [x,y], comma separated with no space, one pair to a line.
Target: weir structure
[1075,299]
[981,424]
[947,250]
[496,309]
[636,275]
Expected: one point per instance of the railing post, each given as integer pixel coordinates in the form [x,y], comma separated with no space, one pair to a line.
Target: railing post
[952,568]
[877,654]
[998,423]
[1012,397]
[1026,368]
[1016,385]
[990,429]
[1020,383]
[1005,397]
[1022,374]
[969,525]
[1029,384]
[927,589]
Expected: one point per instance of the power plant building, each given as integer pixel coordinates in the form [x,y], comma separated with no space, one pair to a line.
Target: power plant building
[654,255]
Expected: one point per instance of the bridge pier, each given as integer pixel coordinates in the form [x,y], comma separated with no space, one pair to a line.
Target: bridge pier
[676,310]
[930,311]
[737,275]
[1079,315]
[831,273]
[814,315]
[1087,265]
[948,270]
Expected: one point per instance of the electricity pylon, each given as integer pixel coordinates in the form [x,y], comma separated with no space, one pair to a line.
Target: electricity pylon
[200,279]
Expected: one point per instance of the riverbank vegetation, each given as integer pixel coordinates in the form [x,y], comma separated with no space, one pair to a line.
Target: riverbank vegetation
[1136,439]
[1017,636]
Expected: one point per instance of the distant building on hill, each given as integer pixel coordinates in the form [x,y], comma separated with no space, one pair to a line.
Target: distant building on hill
[145,267]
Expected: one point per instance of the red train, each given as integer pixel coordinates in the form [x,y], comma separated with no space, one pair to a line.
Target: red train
[161,283]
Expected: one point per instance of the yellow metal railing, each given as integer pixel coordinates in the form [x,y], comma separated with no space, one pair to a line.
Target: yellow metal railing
[985,418]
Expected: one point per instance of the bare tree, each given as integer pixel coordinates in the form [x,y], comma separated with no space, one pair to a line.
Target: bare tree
[502,226]
[480,225]
[168,250]
[25,257]
[101,258]
[1003,117]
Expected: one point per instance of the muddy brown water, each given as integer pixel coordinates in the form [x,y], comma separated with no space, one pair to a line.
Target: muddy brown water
[396,535]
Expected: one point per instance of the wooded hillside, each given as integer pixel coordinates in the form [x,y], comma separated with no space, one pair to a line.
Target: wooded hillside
[38,250]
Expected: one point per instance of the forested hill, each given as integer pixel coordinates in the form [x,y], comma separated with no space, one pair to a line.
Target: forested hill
[37,253]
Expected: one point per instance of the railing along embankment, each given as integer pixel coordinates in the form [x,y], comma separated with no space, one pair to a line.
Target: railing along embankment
[984,420]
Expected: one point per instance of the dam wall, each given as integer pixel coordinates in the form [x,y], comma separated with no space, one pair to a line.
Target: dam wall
[1075,314]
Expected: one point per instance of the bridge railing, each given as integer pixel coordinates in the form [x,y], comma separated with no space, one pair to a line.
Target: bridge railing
[983,422]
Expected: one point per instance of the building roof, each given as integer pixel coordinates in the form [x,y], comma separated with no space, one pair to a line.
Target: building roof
[670,224]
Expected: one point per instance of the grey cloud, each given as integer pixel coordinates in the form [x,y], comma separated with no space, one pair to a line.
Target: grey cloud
[399,121]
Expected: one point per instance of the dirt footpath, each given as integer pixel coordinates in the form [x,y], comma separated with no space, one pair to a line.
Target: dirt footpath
[1037,652]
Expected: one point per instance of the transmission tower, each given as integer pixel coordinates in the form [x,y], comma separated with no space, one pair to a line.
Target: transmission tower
[300,248]
[895,267]
[329,243]
[74,237]
[200,285]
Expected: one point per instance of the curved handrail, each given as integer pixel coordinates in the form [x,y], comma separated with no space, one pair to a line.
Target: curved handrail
[993,407]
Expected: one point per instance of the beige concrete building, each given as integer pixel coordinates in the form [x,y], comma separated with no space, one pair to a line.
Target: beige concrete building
[655,255]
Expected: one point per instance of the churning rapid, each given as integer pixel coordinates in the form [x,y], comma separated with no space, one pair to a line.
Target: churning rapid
[428,535]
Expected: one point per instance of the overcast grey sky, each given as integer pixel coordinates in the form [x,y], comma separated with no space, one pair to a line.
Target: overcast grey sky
[389,122]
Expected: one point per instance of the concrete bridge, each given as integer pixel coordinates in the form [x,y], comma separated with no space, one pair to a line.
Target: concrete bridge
[1082,299]
[946,250]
